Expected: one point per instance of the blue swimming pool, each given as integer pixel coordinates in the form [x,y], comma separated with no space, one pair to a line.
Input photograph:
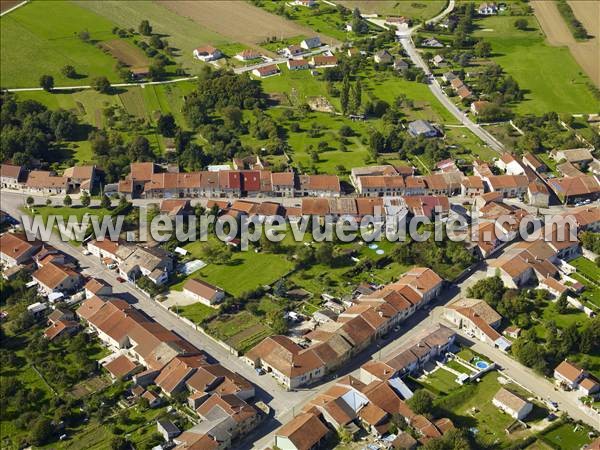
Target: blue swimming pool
[481,365]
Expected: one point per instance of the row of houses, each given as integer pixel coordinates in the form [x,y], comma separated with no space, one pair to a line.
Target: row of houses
[372,400]
[316,62]
[333,343]
[145,180]
[149,354]
[73,180]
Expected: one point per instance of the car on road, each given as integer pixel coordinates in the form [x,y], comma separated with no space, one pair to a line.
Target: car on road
[86,252]
[121,279]
[260,371]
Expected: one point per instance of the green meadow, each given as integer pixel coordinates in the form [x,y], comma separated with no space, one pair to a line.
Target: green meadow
[550,75]
[42,37]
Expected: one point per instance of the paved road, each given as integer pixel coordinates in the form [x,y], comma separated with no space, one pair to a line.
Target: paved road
[439,93]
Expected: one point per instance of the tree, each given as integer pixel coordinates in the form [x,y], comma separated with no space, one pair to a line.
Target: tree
[41,431]
[357,96]
[345,96]
[69,71]
[562,305]
[84,35]
[145,28]
[489,289]
[483,49]
[102,85]
[67,201]
[30,201]
[105,202]
[119,443]
[521,24]
[277,322]
[47,82]
[216,252]
[85,199]
[344,435]
[421,402]
[324,254]
[166,125]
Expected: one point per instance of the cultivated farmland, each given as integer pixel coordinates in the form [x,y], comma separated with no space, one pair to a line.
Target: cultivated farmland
[558,33]
[240,21]
[126,53]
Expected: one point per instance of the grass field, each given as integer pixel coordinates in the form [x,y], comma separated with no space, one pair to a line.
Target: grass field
[196,312]
[87,104]
[42,37]
[246,271]
[471,406]
[181,32]
[416,10]
[544,71]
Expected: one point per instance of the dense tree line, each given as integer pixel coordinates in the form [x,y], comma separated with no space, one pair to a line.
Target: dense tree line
[28,129]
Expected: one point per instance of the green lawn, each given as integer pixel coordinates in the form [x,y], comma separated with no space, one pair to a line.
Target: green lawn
[471,406]
[41,37]
[544,71]
[565,437]
[441,381]
[87,104]
[196,312]
[66,212]
[587,268]
[246,271]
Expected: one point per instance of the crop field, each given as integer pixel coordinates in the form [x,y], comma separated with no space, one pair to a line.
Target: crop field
[558,33]
[43,37]
[417,10]
[545,72]
[126,53]
[7,4]
[239,21]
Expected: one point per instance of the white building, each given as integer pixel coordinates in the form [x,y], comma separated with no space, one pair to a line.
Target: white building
[203,292]
[512,404]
